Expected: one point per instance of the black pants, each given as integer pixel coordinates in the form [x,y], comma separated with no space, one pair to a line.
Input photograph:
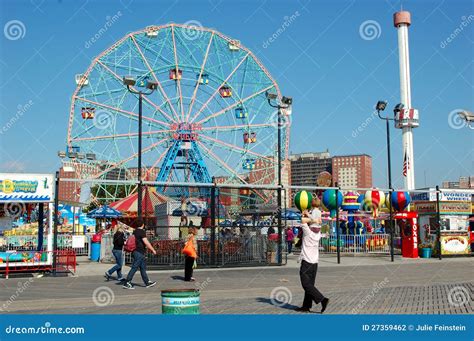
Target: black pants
[308,277]
[188,268]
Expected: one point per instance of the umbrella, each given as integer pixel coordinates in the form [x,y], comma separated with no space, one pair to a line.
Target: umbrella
[242,221]
[150,198]
[291,215]
[104,212]
[225,223]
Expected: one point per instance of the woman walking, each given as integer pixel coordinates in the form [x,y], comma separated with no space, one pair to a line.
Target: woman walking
[117,251]
[190,252]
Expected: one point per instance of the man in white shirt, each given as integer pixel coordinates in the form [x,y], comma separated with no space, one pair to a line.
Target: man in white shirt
[309,257]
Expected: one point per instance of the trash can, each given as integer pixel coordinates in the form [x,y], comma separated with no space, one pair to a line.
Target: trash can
[95,251]
[426,252]
[180,301]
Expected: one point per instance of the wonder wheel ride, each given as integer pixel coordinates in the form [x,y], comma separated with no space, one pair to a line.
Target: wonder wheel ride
[207,118]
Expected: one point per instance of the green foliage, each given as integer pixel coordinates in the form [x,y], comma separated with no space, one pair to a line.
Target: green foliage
[104,194]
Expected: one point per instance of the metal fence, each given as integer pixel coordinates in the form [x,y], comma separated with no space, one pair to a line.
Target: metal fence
[357,244]
[30,243]
[245,247]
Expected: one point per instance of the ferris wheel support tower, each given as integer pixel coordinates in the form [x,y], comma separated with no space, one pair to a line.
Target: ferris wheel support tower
[406,118]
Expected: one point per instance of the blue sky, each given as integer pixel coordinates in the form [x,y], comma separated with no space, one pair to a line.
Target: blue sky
[334,72]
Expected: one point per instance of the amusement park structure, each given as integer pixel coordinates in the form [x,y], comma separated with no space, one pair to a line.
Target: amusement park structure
[406,118]
[207,117]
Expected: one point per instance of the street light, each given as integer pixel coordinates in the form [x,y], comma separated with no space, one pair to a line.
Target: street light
[287,102]
[380,106]
[468,117]
[129,82]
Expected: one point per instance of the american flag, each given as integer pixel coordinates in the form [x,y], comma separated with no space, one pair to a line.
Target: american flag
[406,165]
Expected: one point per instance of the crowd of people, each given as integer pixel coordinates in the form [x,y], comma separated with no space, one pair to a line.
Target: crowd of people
[138,244]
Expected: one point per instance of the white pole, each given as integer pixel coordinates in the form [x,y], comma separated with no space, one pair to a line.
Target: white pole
[401,21]
[49,246]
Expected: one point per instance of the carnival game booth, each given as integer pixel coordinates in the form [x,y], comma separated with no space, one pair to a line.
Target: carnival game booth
[455,207]
[17,192]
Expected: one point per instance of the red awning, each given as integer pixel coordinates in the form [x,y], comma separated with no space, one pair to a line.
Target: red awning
[150,198]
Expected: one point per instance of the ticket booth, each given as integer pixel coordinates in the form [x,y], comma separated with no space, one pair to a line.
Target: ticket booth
[408,224]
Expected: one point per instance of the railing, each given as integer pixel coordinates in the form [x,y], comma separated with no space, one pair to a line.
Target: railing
[239,249]
[35,261]
[30,243]
[357,244]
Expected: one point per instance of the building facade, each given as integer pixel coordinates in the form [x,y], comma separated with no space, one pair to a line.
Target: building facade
[352,171]
[465,182]
[306,167]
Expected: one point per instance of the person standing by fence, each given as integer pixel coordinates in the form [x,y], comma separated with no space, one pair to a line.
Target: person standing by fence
[309,257]
[289,239]
[117,251]
[190,253]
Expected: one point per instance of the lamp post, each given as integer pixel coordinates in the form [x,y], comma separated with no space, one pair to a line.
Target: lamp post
[380,106]
[287,102]
[468,117]
[151,86]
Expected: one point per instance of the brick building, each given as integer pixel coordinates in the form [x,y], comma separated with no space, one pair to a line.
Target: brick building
[306,167]
[352,171]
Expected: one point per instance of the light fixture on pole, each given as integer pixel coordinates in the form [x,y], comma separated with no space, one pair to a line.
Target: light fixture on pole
[380,106]
[287,102]
[468,117]
[129,82]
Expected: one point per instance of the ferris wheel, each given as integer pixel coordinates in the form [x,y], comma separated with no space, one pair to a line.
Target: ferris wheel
[207,117]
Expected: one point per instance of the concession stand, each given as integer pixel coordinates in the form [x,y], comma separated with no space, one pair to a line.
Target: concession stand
[455,207]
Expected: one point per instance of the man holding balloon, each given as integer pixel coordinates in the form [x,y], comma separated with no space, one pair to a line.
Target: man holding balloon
[309,256]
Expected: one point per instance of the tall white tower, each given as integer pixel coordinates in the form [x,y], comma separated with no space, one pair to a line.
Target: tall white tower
[407,118]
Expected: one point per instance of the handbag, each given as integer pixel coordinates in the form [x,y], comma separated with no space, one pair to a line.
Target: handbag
[188,249]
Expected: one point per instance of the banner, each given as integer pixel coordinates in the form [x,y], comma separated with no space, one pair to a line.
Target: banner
[238,327]
[17,187]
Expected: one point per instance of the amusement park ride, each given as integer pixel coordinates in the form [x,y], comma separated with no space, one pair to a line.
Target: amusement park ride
[208,116]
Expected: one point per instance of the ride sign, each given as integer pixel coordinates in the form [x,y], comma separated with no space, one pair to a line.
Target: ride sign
[16,187]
